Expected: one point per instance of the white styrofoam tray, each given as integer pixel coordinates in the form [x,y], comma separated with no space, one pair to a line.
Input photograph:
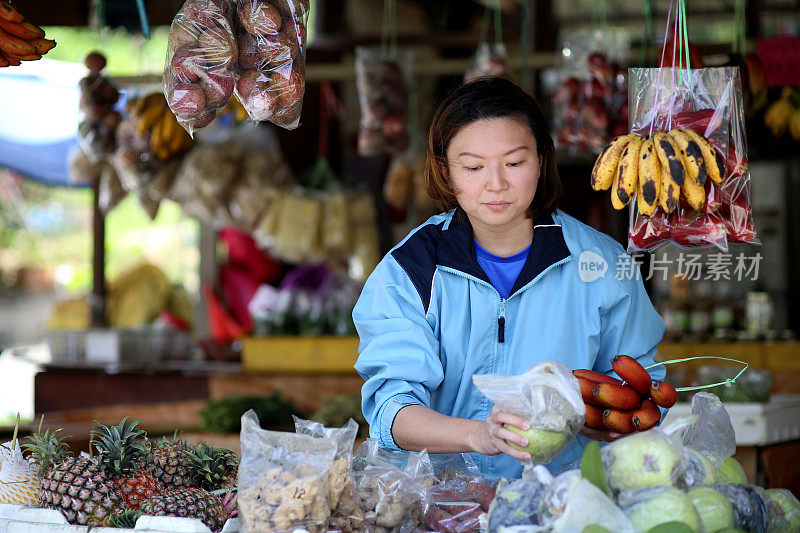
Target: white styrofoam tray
[758,424]
[29,519]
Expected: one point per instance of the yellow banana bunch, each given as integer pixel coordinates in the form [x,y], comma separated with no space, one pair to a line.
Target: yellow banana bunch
[660,169]
[151,114]
[778,116]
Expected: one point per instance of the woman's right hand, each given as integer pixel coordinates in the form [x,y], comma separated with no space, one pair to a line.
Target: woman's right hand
[489,437]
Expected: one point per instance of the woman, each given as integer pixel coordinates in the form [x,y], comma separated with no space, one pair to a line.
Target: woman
[500,281]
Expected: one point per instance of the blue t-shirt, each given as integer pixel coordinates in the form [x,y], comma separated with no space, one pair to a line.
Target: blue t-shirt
[502,271]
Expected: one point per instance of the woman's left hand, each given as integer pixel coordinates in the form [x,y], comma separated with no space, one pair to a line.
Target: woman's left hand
[600,434]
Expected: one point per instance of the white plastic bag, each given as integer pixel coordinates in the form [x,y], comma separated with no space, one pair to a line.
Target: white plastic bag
[548,396]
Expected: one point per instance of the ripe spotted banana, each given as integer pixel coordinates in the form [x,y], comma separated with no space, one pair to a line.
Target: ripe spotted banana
[715,164]
[693,161]
[673,174]
[649,179]
[695,166]
[627,174]
[605,167]
[778,115]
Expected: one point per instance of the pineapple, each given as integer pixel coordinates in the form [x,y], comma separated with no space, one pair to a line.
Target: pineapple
[76,486]
[119,455]
[126,519]
[188,502]
[18,481]
[169,463]
[212,468]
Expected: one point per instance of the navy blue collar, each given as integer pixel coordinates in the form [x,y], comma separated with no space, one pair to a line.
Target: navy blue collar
[456,249]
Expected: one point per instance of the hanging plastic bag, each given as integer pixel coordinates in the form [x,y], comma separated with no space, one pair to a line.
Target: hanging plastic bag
[99,94]
[697,191]
[590,104]
[383,93]
[270,82]
[201,57]
[712,434]
[548,396]
[491,59]
[283,479]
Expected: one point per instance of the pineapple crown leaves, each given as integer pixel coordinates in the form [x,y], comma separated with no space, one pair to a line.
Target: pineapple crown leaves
[117,448]
[212,468]
[47,449]
[125,519]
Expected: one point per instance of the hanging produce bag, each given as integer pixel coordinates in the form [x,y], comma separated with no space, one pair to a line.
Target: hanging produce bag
[270,78]
[491,59]
[201,57]
[683,167]
[590,104]
[548,396]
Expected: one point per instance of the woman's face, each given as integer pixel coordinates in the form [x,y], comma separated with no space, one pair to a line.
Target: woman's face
[495,169]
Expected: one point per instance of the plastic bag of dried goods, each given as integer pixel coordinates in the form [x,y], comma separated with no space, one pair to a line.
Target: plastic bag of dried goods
[201,58]
[548,396]
[270,79]
[283,480]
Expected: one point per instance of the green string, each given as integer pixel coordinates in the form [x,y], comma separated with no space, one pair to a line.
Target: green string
[699,387]
[648,31]
[389,30]
[685,35]
[599,14]
[738,44]
[498,25]
[484,26]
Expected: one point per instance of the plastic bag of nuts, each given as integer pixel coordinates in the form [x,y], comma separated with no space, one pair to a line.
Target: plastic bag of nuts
[383,93]
[270,79]
[201,55]
[283,480]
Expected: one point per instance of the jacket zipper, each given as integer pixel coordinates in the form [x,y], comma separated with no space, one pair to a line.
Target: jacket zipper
[501,322]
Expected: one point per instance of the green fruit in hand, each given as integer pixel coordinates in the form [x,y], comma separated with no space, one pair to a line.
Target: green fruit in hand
[642,460]
[543,444]
[667,505]
[713,507]
[731,471]
[788,510]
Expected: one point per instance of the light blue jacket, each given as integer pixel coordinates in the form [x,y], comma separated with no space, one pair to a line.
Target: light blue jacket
[428,319]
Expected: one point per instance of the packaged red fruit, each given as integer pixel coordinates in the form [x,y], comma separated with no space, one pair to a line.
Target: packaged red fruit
[202,53]
[271,59]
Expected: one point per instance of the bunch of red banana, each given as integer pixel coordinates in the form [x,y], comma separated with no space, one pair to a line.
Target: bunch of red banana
[624,407]
[20,40]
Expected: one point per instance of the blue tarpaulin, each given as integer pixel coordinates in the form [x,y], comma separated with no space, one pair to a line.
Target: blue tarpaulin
[39,118]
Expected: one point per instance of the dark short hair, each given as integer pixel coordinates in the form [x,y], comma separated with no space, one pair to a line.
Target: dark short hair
[489,98]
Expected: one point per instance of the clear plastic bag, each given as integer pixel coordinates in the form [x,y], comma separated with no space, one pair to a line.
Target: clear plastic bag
[752,506]
[461,497]
[712,434]
[201,58]
[548,396]
[341,485]
[97,130]
[650,507]
[652,458]
[283,479]
[571,503]
[786,509]
[383,93]
[491,59]
[270,79]
[390,487]
[517,503]
[709,102]
[590,104]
